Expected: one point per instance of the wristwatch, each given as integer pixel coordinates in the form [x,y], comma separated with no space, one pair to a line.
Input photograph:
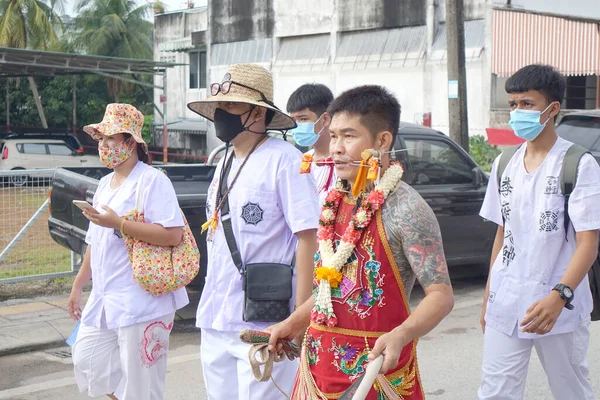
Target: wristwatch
[566,293]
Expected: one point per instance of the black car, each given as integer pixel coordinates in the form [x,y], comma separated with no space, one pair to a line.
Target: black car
[582,128]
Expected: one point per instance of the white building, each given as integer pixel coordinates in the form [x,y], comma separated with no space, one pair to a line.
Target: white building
[401,45]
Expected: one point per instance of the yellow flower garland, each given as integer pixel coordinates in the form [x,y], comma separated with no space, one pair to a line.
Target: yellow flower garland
[330,274]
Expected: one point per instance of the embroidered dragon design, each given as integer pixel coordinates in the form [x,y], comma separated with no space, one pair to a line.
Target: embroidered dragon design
[154,346]
[349,360]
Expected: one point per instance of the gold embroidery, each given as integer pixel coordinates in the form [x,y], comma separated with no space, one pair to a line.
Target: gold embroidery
[344,331]
[350,271]
[341,218]
[348,200]
[407,374]
[368,241]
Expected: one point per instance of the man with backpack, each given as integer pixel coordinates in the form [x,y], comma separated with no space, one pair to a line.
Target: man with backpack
[538,293]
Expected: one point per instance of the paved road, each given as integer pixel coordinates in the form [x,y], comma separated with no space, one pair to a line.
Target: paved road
[449,357]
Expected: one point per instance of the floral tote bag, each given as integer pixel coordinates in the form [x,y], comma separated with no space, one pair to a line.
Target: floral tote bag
[161,269]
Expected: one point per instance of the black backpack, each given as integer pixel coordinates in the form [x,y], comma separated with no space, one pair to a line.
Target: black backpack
[568,179]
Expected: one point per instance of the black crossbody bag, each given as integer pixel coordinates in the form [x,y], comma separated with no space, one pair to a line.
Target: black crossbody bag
[267,286]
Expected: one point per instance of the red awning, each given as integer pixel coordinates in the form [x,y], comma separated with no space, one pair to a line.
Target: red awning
[502,137]
[521,38]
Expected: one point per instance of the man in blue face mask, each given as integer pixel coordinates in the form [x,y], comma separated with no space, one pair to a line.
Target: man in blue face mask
[307,106]
[537,294]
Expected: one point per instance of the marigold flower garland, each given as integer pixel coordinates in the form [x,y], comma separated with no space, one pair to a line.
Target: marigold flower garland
[329,275]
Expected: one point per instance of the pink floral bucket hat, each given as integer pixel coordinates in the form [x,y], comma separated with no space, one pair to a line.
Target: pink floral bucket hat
[119,118]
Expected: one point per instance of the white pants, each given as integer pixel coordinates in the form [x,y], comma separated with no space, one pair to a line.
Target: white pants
[227,372]
[129,362]
[563,357]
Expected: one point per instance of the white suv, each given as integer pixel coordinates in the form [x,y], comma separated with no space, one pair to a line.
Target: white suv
[19,154]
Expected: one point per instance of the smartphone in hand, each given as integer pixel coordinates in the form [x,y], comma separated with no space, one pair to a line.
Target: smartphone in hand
[84,205]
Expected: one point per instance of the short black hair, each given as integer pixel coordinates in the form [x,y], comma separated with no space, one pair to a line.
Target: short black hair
[314,96]
[541,78]
[377,108]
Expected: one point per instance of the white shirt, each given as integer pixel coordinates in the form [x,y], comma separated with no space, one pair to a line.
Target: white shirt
[322,175]
[536,255]
[269,202]
[117,300]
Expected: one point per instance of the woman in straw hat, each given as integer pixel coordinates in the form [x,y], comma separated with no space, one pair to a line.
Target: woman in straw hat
[122,343]
[273,214]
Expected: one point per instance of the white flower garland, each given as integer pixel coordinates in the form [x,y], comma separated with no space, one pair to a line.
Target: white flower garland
[337,259]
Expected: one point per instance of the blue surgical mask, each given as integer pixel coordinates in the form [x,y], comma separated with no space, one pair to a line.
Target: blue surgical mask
[304,134]
[526,123]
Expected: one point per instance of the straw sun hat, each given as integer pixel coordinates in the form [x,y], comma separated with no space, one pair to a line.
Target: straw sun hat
[244,83]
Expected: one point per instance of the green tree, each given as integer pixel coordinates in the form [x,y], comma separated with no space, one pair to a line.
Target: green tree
[33,24]
[483,152]
[115,28]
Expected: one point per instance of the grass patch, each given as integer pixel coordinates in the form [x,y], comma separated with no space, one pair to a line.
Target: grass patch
[35,253]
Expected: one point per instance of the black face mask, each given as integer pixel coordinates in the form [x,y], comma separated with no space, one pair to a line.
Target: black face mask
[228,125]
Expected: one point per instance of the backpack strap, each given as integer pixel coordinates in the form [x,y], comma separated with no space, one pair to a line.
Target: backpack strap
[503,162]
[568,176]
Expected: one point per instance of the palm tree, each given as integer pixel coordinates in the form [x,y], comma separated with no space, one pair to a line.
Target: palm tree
[31,24]
[115,28]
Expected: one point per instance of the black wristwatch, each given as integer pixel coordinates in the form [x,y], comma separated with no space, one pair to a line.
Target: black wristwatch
[566,293]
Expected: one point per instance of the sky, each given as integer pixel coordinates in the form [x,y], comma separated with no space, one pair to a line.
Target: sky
[170,5]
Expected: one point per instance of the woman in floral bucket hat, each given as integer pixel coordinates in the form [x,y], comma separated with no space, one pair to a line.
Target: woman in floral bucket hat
[123,339]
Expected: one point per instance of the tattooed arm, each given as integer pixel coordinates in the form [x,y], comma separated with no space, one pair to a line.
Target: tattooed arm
[419,232]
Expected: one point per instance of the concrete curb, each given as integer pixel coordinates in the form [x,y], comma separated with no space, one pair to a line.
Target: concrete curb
[26,348]
[42,325]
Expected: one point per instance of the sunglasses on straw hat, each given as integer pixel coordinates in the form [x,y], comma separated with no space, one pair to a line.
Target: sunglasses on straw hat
[225,86]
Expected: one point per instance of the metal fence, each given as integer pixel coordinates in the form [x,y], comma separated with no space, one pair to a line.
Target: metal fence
[27,251]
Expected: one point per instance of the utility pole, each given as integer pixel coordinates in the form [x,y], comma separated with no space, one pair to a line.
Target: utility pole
[457,76]
[163,100]
[7,105]
[74,104]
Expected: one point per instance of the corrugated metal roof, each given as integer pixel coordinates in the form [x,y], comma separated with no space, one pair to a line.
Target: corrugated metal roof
[406,40]
[303,48]
[522,38]
[371,48]
[250,51]
[474,41]
[191,126]
[176,45]
[362,43]
[21,62]
[184,11]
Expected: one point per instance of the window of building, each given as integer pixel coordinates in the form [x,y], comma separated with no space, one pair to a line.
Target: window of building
[197,70]
[581,92]
[435,162]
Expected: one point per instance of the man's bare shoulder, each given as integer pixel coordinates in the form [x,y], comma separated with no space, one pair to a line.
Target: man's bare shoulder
[406,206]
[414,224]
